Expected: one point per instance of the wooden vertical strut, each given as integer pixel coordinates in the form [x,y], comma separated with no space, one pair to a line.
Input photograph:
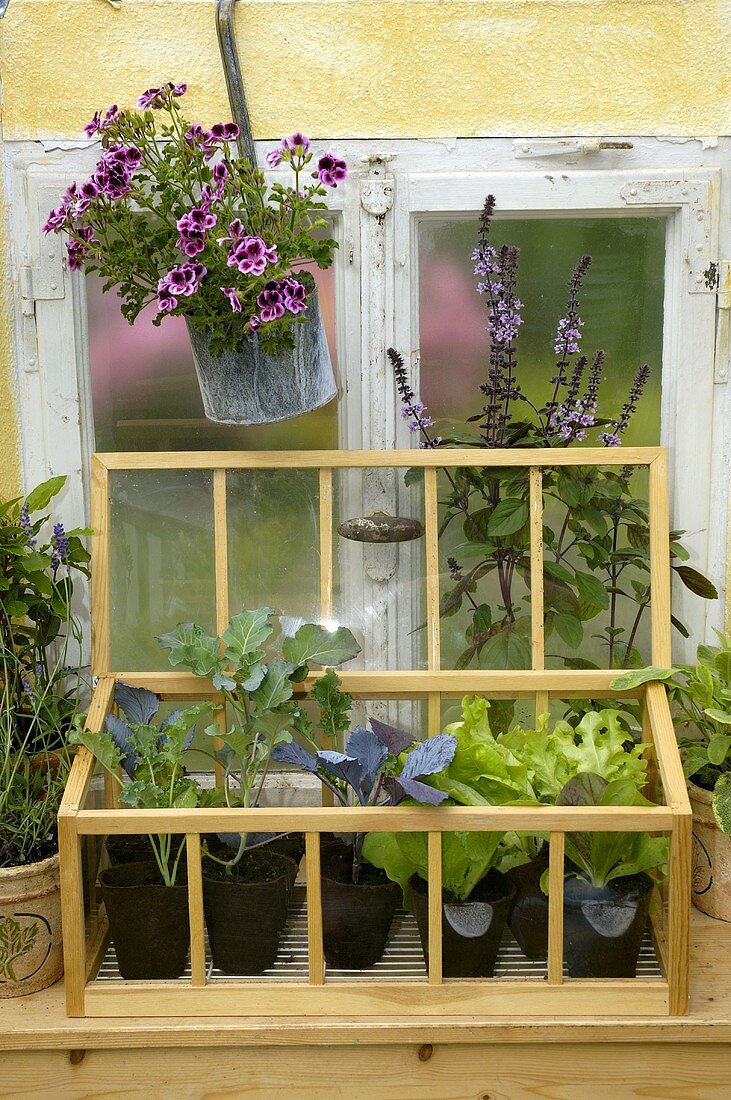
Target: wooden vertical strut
[555,909]
[434,883]
[537,612]
[195,909]
[433,628]
[326,575]
[316,960]
[220,549]
[100,566]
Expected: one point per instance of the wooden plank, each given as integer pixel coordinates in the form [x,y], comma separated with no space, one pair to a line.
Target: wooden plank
[660,561]
[678,940]
[431,535]
[220,549]
[418,683]
[536,568]
[555,909]
[72,913]
[650,753]
[639,997]
[195,910]
[412,1070]
[666,747]
[315,955]
[100,579]
[326,545]
[434,872]
[287,819]
[425,457]
[82,768]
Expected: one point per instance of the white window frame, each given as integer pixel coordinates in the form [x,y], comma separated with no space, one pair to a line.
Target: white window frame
[392,185]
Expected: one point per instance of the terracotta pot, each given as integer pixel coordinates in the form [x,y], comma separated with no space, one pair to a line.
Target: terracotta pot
[711,883]
[246,386]
[31,955]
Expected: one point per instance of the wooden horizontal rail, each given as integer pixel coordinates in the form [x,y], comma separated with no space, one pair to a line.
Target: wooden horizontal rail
[408,684]
[439,457]
[380,819]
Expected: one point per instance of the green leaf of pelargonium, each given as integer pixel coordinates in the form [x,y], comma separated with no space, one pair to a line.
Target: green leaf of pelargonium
[42,494]
[628,681]
[324,647]
[246,632]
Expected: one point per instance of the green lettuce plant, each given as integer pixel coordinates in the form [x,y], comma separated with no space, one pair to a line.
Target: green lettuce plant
[258,692]
[146,762]
[700,695]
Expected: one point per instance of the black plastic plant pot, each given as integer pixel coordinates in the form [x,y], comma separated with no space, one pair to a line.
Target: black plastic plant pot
[148,920]
[604,926]
[246,911]
[356,916]
[528,916]
[472,929]
[292,846]
[129,849]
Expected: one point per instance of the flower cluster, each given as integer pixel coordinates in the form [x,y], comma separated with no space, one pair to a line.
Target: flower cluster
[59,546]
[571,422]
[147,221]
[180,282]
[413,410]
[24,521]
[612,438]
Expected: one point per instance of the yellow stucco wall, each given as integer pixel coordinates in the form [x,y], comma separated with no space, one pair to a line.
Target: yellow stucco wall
[371,68]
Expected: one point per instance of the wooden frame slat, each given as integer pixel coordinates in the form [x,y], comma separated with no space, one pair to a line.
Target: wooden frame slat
[315,955]
[100,568]
[195,909]
[326,544]
[434,906]
[555,909]
[536,568]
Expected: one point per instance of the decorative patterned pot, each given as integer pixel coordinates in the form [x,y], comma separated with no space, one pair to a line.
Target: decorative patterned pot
[246,386]
[711,858]
[31,955]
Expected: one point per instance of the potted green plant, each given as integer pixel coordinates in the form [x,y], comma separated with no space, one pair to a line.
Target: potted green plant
[146,901]
[246,887]
[173,219]
[41,684]
[700,694]
[381,766]
[608,887]
[596,534]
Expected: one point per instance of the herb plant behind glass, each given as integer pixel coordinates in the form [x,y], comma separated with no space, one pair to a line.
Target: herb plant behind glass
[596,536]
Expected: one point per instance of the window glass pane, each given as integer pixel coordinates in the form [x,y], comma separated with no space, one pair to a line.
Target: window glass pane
[621,305]
[145,391]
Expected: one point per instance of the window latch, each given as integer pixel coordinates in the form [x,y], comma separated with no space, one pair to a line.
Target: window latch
[564,147]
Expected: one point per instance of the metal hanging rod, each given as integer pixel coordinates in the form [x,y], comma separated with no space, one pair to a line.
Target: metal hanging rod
[234,79]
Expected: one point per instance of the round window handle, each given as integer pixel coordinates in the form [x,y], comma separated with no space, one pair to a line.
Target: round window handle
[234,79]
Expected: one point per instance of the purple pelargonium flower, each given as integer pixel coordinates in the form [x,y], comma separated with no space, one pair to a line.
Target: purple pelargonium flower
[192,230]
[77,250]
[297,144]
[331,170]
[197,136]
[232,295]
[166,300]
[274,158]
[115,168]
[235,232]
[184,280]
[224,131]
[251,255]
[271,302]
[254,323]
[155,97]
[98,123]
[295,295]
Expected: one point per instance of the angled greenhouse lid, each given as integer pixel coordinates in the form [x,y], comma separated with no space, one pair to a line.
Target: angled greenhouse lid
[194,536]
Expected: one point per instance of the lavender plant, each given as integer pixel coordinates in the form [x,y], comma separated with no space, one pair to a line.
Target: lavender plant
[596,540]
[172,218]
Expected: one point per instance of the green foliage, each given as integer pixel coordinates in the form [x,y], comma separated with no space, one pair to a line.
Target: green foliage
[135,234]
[334,708]
[258,690]
[466,858]
[602,857]
[40,674]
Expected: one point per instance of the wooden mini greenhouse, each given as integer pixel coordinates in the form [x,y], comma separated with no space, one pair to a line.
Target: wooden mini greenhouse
[408,668]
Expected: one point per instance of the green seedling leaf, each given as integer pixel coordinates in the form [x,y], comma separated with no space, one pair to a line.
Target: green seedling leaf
[246,633]
[313,643]
[276,686]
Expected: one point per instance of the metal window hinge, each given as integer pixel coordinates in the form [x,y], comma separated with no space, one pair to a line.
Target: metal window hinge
[42,282]
[722,351]
[564,147]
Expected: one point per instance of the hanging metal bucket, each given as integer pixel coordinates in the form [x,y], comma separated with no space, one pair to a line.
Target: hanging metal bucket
[246,386]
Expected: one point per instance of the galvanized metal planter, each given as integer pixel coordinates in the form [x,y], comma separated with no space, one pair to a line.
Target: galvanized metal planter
[246,386]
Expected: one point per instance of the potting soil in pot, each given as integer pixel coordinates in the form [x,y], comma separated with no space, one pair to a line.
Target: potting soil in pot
[472,929]
[129,849]
[247,910]
[148,921]
[604,926]
[356,917]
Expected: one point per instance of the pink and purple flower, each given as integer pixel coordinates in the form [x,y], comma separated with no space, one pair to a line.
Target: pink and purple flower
[331,170]
[232,295]
[251,255]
